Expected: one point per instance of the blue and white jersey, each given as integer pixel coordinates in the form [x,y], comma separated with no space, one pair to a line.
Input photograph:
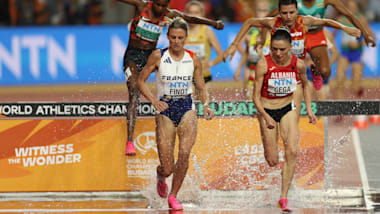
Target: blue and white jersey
[174,78]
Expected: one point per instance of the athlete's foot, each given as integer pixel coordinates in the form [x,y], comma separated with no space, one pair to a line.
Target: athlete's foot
[130,150]
[162,187]
[173,203]
[317,78]
[339,119]
[283,204]
[360,93]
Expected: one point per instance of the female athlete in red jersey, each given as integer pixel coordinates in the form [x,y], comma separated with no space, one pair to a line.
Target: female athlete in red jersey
[273,96]
[298,27]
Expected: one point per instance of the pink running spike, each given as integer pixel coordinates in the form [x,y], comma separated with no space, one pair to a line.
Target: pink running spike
[130,150]
[173,203]
[317,79]
[283,204]
[162,188]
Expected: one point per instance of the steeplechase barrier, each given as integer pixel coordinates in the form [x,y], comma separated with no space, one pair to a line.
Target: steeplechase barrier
[222,108]
[78,147]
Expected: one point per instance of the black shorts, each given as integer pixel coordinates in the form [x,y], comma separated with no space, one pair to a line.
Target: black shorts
[138,56]
[277,114]
[207,79]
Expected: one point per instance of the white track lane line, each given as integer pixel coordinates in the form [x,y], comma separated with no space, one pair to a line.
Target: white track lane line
[362,169]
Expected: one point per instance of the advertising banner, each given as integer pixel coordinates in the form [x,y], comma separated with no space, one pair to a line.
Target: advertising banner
[94,54]
[88,155]
[146,109]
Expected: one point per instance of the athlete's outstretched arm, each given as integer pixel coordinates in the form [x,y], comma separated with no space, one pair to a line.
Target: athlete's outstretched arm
[216,45]
[371,33]
[261,70]
[219,25]
[310,20]
[200,84]
[152,65]
[339,6]
[301,69]
[252,22]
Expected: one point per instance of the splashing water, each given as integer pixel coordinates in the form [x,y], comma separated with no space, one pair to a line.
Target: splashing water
[150,192]
[334,161]
[195,192]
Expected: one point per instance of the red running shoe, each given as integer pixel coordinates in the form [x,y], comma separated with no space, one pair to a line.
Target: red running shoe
[283,204]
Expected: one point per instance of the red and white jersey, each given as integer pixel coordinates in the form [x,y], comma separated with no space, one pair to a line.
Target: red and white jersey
[174,78]
[298,34]
[279,82]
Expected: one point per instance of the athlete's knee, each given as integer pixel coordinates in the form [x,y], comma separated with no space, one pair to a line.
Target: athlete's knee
[291,153]
[134,95]
[166,170]
[272,161]
[325,71]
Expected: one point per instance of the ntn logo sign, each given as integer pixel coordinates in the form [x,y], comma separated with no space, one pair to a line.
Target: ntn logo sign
[38,47]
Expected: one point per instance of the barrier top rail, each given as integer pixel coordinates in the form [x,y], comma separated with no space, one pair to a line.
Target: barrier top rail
[221,108]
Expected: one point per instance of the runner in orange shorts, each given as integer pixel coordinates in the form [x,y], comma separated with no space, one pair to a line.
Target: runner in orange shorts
[316,43]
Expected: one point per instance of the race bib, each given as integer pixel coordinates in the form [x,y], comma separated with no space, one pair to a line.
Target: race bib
[282,87]
[199,49]
[178,88]
[298,48]
[148,31]
[177,85]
